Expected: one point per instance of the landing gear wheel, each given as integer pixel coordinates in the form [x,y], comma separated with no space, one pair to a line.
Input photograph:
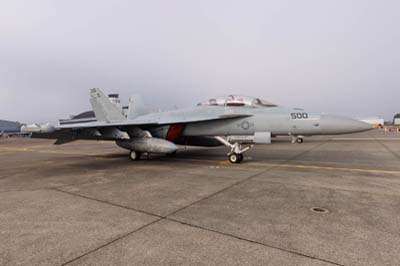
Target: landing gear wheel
[236,154]
[134,155]
[235,157]
[299,140]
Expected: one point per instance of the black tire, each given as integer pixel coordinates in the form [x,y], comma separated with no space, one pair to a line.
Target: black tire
[235,158]
[299,140]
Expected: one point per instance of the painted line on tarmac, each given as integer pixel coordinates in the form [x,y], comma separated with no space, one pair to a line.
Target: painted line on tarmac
[224,163]
[330,168]
[7,149]
[361,139]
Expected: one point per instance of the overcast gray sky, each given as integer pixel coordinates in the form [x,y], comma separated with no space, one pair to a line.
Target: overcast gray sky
[327,56]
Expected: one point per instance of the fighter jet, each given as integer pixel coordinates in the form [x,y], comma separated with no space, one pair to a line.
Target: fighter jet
[235,121]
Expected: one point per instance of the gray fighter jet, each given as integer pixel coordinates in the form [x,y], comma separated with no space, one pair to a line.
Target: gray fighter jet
[235,121]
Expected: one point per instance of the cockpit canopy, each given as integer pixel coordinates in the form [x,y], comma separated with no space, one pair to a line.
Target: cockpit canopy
[238,100]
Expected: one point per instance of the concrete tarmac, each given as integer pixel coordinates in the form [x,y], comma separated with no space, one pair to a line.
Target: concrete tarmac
[332,200]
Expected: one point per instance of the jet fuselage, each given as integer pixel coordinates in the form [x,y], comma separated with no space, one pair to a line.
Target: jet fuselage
[277,120]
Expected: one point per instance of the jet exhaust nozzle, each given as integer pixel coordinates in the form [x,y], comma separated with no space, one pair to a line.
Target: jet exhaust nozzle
[151,145]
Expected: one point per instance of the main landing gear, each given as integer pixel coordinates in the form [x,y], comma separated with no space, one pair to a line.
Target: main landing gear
[236,153]
[297,139]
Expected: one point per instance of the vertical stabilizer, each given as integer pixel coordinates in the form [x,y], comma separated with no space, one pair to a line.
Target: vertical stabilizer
[136,107]
[103,108]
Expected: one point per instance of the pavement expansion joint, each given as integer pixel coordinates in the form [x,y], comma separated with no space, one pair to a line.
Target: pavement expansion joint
[160,218]
[387,148]
[107,202]
[255,242]
[111,242]
[246,179]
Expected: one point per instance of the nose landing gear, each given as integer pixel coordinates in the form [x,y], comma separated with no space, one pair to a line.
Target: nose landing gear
[236,153]
[235,157]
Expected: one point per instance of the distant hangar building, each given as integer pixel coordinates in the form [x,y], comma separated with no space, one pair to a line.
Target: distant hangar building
[9,127]
[396,120]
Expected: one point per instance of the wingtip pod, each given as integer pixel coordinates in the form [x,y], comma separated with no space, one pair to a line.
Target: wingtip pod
[37,128]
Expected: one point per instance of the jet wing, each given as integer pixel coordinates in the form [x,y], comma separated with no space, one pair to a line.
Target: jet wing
[153,121]
[111,123]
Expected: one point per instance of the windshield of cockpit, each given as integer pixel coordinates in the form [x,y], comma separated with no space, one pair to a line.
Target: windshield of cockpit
[238,100]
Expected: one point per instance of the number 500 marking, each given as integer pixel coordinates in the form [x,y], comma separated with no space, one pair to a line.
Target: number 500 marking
[299,115]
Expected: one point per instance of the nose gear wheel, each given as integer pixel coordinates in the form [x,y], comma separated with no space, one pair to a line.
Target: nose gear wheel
[236,153]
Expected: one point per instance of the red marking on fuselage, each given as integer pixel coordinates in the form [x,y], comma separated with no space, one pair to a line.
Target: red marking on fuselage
[174,132]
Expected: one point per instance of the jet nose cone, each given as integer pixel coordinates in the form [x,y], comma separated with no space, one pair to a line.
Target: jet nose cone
[359,126]
[364,126]
[341,125]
